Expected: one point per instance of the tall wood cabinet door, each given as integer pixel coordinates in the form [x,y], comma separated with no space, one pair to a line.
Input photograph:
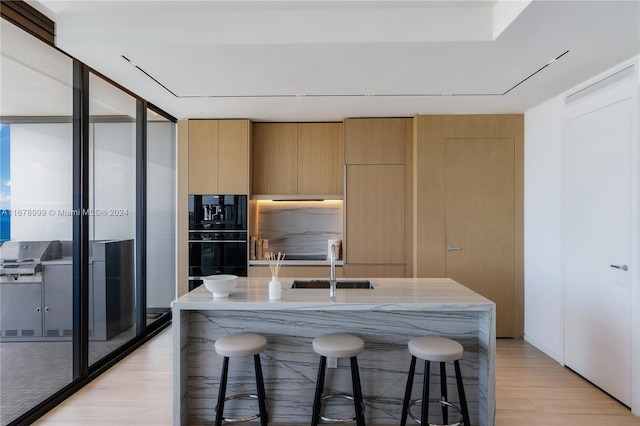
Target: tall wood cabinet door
[274,159]
[375,140]
[233,156]
[375,209]
[203,156]
[469,181]
[320,160]
[480,221]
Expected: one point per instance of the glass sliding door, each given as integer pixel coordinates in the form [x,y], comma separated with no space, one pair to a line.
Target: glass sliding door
[112,221]
[36,287]
[161,215]
[62,323]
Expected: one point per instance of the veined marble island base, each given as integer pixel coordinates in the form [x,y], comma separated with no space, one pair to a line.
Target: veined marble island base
[386,318]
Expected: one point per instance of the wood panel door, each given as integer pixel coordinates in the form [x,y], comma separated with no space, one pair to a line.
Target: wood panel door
[320,161]
[458,162]
[203,157]
[480,221]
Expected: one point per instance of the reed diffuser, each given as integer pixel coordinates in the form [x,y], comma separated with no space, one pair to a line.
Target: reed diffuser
[275,288]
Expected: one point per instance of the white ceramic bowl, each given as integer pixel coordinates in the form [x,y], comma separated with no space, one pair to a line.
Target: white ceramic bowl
[220,285]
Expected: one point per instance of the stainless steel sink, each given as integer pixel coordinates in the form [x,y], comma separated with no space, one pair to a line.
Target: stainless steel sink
[358,284]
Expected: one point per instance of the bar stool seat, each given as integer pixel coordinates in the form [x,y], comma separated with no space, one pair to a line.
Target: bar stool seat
[241,344]
[339,345]
[234,346]
[436,349]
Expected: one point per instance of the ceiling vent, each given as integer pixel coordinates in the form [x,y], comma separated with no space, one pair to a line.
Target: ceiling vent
[618,76]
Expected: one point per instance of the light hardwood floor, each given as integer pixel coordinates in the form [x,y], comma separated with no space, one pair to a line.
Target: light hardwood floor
[532,390]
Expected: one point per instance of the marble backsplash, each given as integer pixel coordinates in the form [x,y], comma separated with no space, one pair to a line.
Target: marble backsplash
[300,227]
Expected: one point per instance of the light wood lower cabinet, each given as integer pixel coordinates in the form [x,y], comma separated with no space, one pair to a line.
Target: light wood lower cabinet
[374,271]
[290,271]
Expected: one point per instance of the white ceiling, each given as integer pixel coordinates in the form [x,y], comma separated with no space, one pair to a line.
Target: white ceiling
[322,60]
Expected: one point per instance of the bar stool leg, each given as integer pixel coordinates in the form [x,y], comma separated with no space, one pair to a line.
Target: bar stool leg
[357,392]
[407,392]
[443,392]
[425,395]
[222,391]
[317,400]
[461,395]
[262,397]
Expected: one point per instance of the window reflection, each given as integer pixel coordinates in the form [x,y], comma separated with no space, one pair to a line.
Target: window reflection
[36,231]
[161,215]
[112,221]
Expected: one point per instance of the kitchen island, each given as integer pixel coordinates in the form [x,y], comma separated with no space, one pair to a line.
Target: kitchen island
[386,317]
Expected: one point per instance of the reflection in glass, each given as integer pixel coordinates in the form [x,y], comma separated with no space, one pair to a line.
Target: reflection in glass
[112,221]
[36,144]
[161,215]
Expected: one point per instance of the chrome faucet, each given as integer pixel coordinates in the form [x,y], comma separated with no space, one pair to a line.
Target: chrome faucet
[332,276]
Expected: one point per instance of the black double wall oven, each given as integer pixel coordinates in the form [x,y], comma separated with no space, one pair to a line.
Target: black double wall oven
[217,236]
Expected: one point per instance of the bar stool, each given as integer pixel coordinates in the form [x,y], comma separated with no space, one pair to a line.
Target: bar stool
[338,346]
[436,349]
[241,345]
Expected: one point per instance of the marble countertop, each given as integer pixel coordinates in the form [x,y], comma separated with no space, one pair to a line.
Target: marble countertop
[389,294]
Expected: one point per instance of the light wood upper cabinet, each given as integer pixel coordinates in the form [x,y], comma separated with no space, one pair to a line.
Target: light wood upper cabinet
[219,156]
[233,156]
[297,159]
[274,160]
[376,140]
[203,156]
[320,158]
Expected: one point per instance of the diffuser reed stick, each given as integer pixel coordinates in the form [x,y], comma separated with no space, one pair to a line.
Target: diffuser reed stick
[275,262]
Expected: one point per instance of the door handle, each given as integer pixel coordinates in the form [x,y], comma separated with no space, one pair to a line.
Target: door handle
[623,267]
[452,248]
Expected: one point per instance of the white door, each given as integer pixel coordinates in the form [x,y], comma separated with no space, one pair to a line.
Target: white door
[597,247]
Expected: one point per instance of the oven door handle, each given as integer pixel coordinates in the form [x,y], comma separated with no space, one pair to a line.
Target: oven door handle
[217,241]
